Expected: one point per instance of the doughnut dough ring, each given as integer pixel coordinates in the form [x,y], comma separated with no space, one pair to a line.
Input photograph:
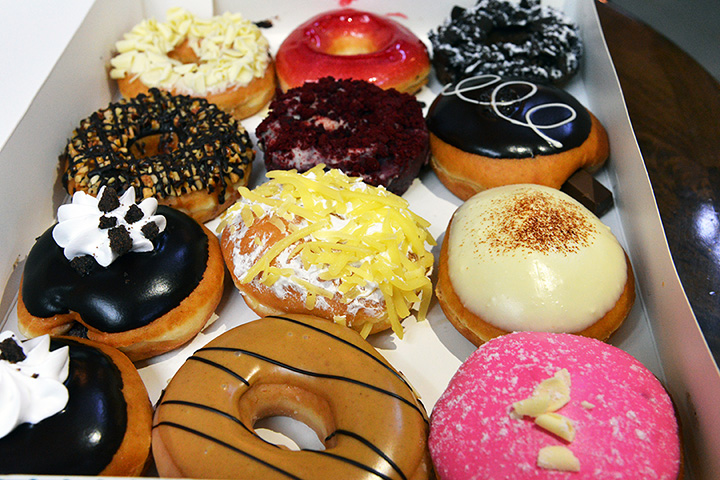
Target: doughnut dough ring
[320,373]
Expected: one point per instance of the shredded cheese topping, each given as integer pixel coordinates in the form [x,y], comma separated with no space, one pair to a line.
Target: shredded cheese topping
[231,51]
[359,237]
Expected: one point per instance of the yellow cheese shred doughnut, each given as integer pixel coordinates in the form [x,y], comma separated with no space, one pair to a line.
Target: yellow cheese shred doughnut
[328,244]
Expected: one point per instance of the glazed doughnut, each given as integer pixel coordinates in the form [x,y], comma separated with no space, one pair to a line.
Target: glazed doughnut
[348,43]
[143,282]
[184,151]
[489,131]
[100,419]
[530,258]
[225,60]
[489,421]
[523,40]
[329,245]
[322,374]
[379,135]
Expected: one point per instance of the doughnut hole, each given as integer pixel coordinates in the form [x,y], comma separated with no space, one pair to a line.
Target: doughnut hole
[154,144]
[288,411]
[184,53]
[349,35]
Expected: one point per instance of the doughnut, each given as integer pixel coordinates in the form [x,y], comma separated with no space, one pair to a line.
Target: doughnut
[349,43]
[224,59]
[524,40]
[184,151]
[71,406]
[379,135]
[488,131]
[537,405]
[329,245]
[142,281]
[530,258]
[322,374]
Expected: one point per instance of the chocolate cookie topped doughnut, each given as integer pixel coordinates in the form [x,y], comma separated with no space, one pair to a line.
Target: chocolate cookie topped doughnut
[184,151]
[142,281]
[71,407]
[525,40]
[352,125]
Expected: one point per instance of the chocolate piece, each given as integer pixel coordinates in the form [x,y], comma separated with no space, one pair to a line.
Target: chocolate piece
[150,230]
[83,265]
[133,214]
[120,241]
[109,201]
[10,351]
[107,222]
[593,195]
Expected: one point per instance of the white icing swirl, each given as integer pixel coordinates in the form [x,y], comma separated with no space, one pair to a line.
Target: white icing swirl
[32,390]
[489,80]
[78,230]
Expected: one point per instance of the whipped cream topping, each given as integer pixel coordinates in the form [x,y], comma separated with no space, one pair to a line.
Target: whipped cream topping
[85,229]
[31,389]
[231,51]
[527,257]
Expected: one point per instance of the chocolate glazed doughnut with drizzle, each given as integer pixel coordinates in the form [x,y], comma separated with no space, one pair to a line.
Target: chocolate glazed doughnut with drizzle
[367,416]
[184,151]
[488,131]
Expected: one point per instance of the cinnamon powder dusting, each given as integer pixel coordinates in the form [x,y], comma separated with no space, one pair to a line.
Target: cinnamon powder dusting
[539,222]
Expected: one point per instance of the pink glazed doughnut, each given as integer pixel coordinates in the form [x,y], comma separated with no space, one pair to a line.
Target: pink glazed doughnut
[624,421]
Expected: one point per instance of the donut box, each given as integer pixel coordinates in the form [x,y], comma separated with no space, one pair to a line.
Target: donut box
[432,350]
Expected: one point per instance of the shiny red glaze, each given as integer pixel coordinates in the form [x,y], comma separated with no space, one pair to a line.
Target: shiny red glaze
[395,57]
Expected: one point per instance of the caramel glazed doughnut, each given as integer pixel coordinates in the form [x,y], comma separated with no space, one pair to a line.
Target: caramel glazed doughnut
[71,406]
[322,374]
[488,131]
[184,151]
[141,282]
[224,59]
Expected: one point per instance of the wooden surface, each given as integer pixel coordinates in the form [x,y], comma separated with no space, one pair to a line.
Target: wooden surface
[674,106]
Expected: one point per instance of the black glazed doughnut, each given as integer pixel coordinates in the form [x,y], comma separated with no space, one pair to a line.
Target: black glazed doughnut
[352,125]
[104,429]
[524,40]
[141,302]
[184,151]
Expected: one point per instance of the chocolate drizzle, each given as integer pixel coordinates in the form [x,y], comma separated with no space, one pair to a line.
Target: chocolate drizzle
[224,351]
[464,116]
[82,438]
[131,292]
[212,151]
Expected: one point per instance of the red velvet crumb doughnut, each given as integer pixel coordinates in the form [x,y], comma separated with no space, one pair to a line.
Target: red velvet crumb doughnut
[348,43]
[352,125]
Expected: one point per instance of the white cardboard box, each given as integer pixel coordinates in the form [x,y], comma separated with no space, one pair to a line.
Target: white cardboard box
[661,330]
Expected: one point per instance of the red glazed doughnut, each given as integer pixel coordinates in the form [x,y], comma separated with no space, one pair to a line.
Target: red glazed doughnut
[348,43]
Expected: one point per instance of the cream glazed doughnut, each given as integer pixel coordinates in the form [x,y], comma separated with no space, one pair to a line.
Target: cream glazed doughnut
[487,131]
[530,258]
[541,405]
[224,59]
[352,44]
[322,374]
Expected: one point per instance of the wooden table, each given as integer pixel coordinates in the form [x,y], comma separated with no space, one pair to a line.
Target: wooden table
[674,106]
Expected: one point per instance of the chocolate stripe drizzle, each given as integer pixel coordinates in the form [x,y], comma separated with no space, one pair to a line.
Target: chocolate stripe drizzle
[310,373]
[371,446]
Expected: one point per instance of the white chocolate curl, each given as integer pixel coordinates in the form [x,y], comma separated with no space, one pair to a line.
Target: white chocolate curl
[231,52]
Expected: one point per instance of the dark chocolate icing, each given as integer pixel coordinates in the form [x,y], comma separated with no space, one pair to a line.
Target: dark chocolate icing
[478,129]
[132,291]
[82,438]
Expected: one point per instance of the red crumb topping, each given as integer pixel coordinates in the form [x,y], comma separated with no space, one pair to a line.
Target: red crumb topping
[352,125]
